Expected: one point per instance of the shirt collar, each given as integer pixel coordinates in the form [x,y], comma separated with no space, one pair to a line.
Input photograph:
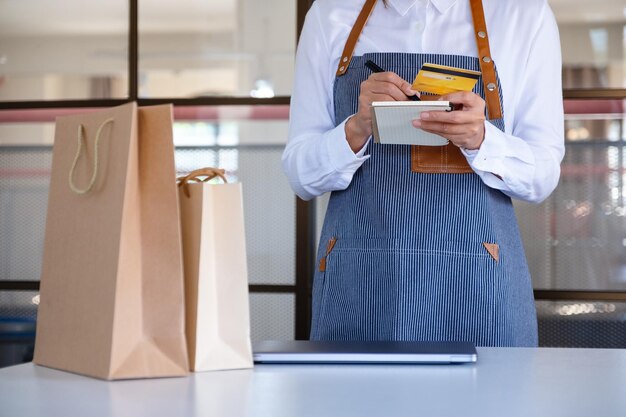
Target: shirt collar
[403,6]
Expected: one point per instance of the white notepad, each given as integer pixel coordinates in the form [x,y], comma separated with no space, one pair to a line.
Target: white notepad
[392,122]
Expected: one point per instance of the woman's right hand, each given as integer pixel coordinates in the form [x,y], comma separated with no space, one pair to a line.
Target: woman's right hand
[382,86]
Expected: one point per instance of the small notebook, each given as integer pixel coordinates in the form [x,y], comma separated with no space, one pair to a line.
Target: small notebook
[392,122]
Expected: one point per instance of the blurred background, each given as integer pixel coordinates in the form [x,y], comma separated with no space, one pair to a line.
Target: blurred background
[227,65]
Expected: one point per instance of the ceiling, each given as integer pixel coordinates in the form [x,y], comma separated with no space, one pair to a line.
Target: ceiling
[67,17]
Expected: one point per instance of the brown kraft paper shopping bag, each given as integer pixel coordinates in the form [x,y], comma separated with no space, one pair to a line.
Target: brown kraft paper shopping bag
[112,301]
[216,273]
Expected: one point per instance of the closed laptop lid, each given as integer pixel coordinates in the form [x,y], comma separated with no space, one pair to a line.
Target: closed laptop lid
[363,352]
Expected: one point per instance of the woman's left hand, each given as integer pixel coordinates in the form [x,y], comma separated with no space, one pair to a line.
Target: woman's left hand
[465,128]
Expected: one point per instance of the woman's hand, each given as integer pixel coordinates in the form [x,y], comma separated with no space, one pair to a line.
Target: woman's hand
[382,86]
[465,128]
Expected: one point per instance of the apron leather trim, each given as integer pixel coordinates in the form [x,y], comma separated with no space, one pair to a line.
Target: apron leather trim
[487,66]
[439,160]
[329,248]
[494,250]
[348,50]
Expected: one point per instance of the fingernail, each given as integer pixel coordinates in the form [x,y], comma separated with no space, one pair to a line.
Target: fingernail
[425,115]
[417,123]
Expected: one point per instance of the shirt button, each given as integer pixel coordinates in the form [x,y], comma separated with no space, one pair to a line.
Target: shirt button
[419,26]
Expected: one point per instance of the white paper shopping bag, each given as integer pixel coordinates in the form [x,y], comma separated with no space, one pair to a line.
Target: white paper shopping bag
[216,276]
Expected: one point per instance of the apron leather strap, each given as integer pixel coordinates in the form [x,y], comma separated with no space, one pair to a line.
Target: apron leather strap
[487,67]
[357,28]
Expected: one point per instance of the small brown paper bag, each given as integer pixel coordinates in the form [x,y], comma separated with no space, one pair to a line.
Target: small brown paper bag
[112,303]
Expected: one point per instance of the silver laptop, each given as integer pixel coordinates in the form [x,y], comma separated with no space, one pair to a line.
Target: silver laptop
[364,352]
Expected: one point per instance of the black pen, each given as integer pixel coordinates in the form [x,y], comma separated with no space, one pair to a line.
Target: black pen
[375,68]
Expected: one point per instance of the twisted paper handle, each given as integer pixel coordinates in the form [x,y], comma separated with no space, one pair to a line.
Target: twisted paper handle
[81,131]
[194,176]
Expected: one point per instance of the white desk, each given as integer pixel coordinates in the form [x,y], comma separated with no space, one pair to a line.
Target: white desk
[505,383]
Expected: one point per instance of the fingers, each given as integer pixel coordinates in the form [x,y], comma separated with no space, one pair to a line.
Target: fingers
[385,82]
[463,128]
[389,90]
[468,99]
[383,86]
[365,102]
[468,136]
[393,78]
[455,117]
[447,129]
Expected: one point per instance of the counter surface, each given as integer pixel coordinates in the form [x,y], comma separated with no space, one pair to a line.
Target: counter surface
[504,382]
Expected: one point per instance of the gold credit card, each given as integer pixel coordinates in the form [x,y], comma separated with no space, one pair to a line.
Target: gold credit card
[440,79]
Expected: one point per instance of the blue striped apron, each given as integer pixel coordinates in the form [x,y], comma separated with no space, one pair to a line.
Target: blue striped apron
[409,261]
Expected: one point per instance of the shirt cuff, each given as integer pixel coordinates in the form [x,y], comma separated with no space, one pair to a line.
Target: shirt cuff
[495,149]
[340,155]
